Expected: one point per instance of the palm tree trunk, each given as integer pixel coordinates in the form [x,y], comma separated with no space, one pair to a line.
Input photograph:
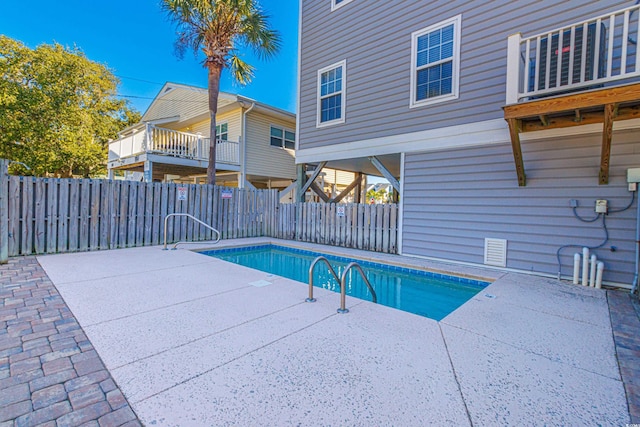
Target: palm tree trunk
[214,89]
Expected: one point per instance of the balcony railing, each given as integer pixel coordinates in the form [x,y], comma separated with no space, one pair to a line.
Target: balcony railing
[586,55]
[152,139]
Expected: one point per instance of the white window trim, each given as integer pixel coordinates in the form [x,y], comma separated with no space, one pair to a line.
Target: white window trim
[283,129]
[342,64]
[335,6]
[455,84]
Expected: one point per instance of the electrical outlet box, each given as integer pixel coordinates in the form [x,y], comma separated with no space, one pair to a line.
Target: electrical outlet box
[633,186]
[573,203]
[633,175]
[601,206]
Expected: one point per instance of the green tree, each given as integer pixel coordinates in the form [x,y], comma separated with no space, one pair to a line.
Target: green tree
[58,110]
[218,29]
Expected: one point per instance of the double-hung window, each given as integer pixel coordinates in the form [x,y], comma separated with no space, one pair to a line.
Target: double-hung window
[338,3]
[435,69]
[331,94]
[283,138]
[222,131]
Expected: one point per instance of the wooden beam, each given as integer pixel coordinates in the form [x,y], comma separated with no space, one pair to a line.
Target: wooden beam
[514,129]
[586,118]
[385,172]
[607,134]
[313,177]
[318,191]
[620,94]
[358,192]
[347,190]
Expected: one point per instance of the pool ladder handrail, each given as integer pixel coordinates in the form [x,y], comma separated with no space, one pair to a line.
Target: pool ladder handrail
[166,218]
[311,268]
[342,281]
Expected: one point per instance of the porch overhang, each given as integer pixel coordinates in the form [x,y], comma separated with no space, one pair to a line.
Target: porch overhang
[596,106]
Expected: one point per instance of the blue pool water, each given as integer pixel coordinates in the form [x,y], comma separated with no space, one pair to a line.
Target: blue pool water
[424,293]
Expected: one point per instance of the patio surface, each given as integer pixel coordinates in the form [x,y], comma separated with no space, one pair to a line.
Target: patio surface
[193,340]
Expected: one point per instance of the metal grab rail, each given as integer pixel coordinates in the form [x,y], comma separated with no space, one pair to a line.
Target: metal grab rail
[193,218]
[342,280]
[313,264]
[343,287]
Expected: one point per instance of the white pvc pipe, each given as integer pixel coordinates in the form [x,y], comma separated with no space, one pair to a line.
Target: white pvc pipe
[585,266]
[592,273]
[576,268]
[599,275]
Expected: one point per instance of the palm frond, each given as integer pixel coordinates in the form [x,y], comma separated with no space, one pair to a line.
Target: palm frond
[242,72]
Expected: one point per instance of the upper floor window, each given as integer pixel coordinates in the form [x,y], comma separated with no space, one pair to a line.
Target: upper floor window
[435,58]
[222,131]
[335,4]
[283,138]
[331,94]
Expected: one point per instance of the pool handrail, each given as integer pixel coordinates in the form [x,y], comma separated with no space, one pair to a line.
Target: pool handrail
[343,287]
[166,218]
[313,264]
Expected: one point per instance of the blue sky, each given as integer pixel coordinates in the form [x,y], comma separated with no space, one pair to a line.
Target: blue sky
[136,41]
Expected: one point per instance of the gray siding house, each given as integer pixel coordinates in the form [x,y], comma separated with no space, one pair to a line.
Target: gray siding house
[504,124]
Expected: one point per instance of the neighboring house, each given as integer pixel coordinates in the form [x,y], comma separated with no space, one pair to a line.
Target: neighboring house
[171,142]
[490,139]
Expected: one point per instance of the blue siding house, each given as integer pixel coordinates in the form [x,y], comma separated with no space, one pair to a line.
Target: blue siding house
[504,124]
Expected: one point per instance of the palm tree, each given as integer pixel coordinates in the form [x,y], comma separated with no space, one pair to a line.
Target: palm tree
[218,28]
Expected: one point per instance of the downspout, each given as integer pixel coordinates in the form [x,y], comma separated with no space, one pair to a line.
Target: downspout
[243,167]
[634,287]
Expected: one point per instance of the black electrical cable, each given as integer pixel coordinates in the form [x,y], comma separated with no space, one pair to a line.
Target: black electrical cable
[604,242]
[633,198]
[594,219]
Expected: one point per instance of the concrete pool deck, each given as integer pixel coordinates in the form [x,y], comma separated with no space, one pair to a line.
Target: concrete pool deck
[193,340]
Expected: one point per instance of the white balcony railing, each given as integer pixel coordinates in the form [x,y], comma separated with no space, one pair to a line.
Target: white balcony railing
[581,56]
[152,139]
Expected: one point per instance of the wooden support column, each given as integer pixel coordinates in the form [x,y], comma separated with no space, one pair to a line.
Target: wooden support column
[607,134]
[4,211]
[300,182]
[358,191]
[514,131]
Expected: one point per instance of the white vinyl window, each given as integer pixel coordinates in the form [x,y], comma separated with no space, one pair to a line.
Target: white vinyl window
[222,131]
[435,63]
[335,4]
[331,94]
[283,138]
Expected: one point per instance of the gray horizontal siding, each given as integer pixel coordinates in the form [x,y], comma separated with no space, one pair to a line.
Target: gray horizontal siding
[454,199]
[375,40]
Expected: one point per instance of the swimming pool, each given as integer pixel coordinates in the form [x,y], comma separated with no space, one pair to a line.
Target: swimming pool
[420,292]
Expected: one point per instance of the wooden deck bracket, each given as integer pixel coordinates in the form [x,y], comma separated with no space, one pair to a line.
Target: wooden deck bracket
[347,190]
[514,131]
[385,172]
[578,117]
[318,191]
[544,120]
[313,177]
[607,134]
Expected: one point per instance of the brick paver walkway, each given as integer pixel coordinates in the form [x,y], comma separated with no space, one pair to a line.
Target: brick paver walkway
[49,372]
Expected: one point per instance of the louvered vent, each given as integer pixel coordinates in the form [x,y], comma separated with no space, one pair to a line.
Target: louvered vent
[495,252]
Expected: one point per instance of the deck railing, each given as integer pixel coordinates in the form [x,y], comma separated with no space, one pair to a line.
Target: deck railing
[152,139]
[581,56]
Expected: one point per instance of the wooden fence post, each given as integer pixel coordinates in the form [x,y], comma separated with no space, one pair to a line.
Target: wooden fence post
[4,211]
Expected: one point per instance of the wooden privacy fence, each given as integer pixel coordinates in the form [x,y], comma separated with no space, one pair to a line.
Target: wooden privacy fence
[67,215]
[360,226]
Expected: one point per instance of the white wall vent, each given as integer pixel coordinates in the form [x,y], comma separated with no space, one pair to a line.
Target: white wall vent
[495,252]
